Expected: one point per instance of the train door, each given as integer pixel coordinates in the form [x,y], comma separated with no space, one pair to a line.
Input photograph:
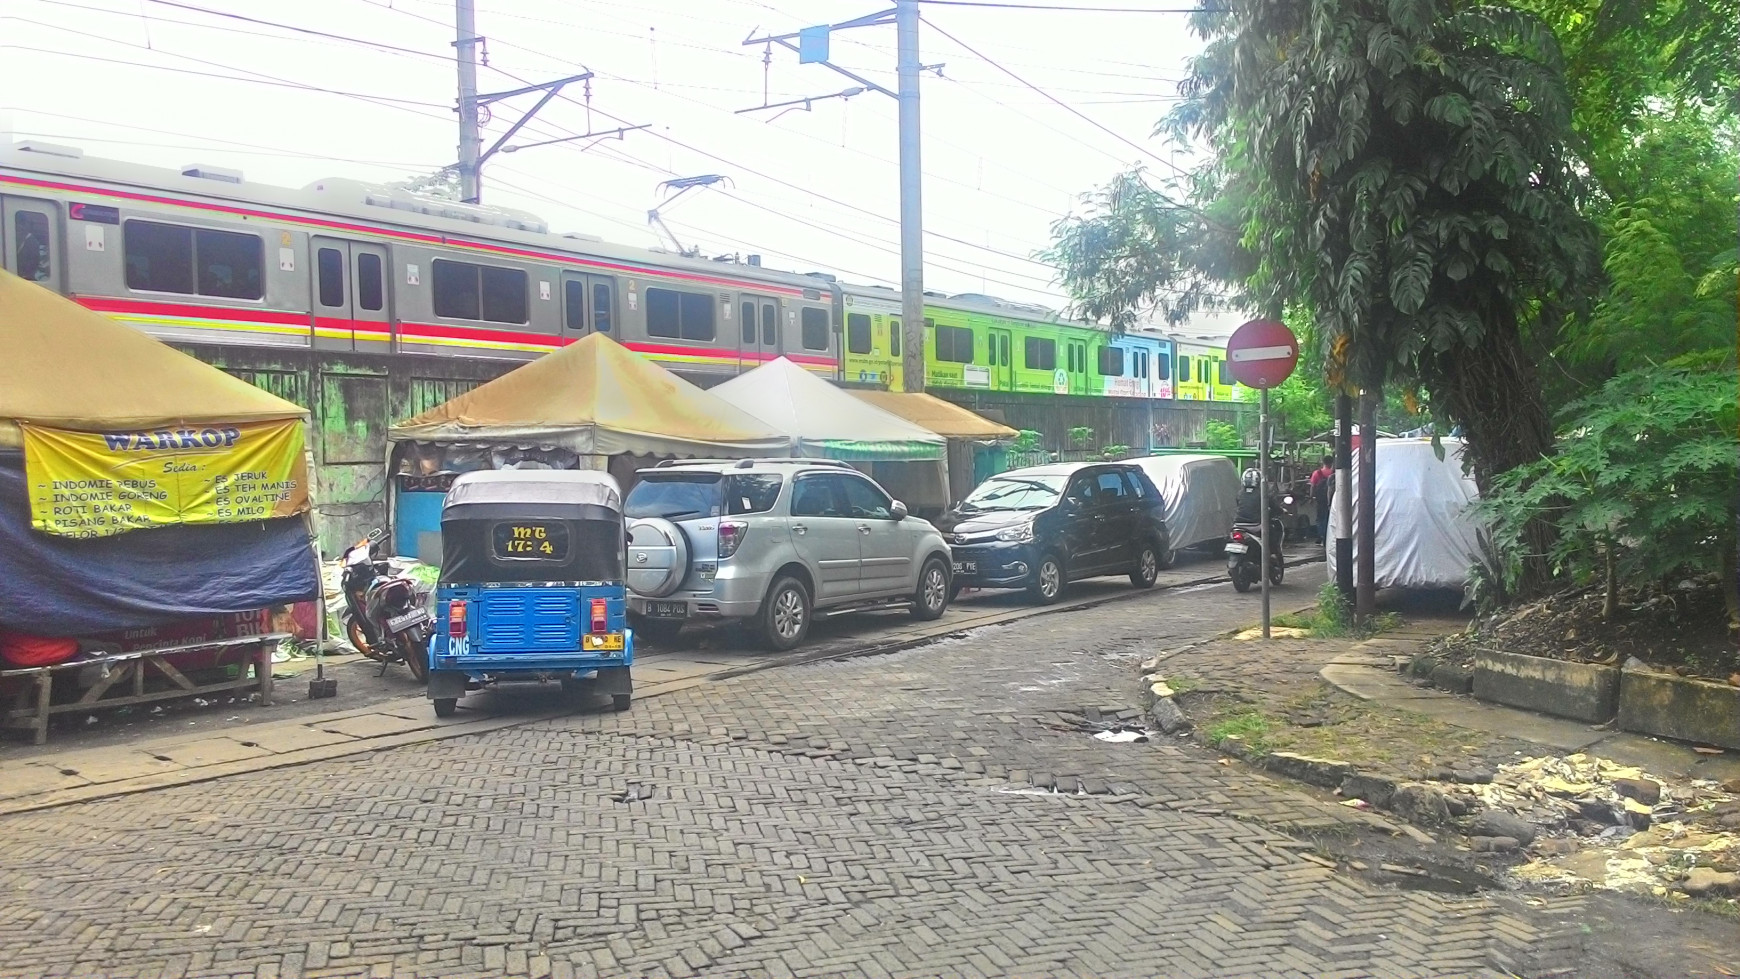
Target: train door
[30,237]
[758,331]
[350,296]
[1078,366]
[896,356]
[1002,363]
[588,305]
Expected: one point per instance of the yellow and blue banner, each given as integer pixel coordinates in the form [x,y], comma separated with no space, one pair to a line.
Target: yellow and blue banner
[98,484]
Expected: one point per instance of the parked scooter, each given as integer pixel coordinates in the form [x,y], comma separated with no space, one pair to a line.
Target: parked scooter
[384,614]
[1244,555]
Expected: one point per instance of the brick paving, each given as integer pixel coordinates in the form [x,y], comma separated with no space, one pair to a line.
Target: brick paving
[887,816]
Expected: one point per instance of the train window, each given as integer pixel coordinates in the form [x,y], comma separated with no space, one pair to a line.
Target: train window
[603,307]
[505,298]
[815,328]
[858,339]
[747,311]
[329,270]
[1111,362]
[574,305]
[230,264]
[1183,367]
[168,258]
[954,344]
[1140,369]
[1222,372]
[1003,350]
[456,290]
[464,291]
[770,326]
[1163,367]
[894,338]
[1040,355]
[1202,370]
[679,315]
[30,230]
[369,292]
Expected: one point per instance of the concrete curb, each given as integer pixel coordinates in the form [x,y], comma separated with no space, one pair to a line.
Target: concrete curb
[56,798]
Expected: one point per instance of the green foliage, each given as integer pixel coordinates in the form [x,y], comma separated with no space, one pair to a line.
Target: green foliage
[1301,407]
[1644,478]
[1114,452]
[1027,440]
[1249,726]
[1081,437]
[1222,435]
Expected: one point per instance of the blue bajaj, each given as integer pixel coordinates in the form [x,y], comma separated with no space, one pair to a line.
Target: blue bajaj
[531,585]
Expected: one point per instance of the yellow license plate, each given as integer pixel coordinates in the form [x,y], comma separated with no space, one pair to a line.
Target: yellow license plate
[611,640]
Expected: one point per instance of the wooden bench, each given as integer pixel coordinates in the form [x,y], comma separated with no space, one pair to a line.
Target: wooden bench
[118,668]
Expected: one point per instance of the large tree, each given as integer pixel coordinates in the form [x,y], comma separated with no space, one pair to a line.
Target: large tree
[1405,168]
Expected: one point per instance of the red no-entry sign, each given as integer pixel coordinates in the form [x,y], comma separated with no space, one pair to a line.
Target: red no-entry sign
[1262,353]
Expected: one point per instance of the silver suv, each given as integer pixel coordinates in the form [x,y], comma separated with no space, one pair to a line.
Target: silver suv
[773,543]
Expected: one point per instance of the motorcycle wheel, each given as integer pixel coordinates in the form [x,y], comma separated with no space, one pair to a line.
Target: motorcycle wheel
[416,658]
[1277,571]
[1239,580]
[353,631]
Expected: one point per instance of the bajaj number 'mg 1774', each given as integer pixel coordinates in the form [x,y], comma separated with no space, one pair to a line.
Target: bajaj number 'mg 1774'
[531,585]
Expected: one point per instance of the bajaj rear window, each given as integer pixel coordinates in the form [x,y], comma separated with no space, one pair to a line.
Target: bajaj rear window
[530,540]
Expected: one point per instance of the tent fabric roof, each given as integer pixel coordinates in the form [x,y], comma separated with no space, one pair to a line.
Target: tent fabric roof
[822,420]
[942,417]
[596,396]
[65,366]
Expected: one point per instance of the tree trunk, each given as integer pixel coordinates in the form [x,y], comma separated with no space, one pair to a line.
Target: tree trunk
[1610,593]
[1365,565]
[1493,392]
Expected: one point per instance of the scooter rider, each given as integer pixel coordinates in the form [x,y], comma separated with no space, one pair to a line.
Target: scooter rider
[1250,506]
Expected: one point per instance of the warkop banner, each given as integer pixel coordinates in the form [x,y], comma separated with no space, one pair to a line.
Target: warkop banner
[98,484]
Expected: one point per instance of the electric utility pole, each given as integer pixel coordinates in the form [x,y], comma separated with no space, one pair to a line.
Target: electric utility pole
[473,106]
[812,48]
[911,203]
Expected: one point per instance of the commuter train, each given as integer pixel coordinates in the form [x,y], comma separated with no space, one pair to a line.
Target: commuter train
[369,304]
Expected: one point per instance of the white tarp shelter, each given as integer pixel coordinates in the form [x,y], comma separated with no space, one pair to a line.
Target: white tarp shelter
[1427,534]
[1201,494]
[824,422]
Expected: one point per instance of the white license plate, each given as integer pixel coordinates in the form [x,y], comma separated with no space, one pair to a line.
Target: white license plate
[966,567]
[1236,548]
[414,617]
[668,610]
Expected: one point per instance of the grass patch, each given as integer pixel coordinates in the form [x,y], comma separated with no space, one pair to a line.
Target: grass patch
[1183,684]
[1249,726]
[1333,618]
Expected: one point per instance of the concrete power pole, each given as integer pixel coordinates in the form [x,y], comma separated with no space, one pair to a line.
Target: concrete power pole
[911,199]
[470,140]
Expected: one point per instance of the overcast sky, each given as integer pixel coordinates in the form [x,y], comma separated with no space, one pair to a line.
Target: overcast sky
[810,190]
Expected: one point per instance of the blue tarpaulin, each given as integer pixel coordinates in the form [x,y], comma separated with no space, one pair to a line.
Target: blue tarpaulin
[57,586]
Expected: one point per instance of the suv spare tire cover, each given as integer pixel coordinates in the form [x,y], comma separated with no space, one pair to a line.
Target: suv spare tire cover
[658,557]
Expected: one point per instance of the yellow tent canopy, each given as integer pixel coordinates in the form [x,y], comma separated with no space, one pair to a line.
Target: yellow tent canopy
[63,366]
[596,397]
[942,417]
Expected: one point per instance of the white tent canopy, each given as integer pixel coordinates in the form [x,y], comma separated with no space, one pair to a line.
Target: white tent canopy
[824,421]
[1427,533]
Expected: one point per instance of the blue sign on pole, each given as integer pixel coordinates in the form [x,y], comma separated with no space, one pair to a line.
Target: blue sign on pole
[813,45]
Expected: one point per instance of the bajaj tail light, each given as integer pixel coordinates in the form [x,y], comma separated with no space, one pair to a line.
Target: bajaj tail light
[456,619]
[731,534]
[600,615]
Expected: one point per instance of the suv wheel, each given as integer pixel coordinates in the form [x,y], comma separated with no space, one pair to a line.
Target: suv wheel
[1147,566]
[1048,580]
[785,614]
[934,591]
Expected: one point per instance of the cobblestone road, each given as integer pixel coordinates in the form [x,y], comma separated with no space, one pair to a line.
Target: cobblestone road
[896,815]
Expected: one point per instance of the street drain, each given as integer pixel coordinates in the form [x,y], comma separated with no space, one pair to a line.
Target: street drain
[69,771]
[162,757]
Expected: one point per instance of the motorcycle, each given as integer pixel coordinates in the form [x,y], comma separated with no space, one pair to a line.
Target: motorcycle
[384,615]
[1244,555]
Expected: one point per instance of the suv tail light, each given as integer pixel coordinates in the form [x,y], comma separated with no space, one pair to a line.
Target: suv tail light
[731,534]
[600,615]
[456,619]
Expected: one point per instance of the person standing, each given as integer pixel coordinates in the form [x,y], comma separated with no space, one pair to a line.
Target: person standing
[1322,488]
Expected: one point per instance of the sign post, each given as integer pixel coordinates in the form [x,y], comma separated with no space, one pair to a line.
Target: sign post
[1262,354]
